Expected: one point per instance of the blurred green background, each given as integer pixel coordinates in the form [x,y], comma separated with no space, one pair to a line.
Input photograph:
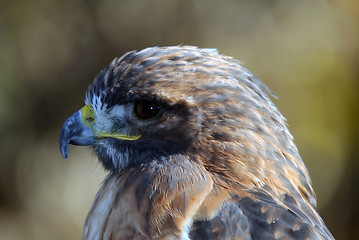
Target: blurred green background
[305,51]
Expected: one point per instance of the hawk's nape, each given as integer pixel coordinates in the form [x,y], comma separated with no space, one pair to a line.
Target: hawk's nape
[195,149]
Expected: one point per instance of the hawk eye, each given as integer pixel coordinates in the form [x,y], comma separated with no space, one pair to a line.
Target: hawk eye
[146,109]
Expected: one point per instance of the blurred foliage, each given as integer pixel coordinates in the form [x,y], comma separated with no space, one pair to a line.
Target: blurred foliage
[50,50]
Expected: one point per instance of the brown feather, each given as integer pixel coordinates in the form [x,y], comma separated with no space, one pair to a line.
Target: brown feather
[226,160]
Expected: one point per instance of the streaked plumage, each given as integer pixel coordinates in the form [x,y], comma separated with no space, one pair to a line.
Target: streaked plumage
[195,149]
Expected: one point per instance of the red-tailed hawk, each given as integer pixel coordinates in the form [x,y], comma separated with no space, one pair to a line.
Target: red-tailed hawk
[195,149]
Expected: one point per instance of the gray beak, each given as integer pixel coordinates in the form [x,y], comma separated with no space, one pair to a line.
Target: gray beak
[75,132]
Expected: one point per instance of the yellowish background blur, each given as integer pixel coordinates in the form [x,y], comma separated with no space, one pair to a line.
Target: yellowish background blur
[306,51]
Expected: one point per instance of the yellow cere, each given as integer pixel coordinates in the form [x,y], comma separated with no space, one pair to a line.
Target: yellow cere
[87,115]
[88,118]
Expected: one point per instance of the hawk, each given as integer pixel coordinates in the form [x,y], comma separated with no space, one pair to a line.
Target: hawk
[195,149]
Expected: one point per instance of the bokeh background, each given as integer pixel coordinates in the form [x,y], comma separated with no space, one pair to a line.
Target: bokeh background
[305,51]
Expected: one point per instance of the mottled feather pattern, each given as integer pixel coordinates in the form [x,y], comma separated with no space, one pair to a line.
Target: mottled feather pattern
[218,163]
[149,201]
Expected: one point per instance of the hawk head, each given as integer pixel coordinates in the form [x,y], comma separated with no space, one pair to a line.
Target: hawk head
[160,102]
[204,113]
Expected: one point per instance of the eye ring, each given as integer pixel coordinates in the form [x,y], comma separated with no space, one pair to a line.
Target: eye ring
[146,109]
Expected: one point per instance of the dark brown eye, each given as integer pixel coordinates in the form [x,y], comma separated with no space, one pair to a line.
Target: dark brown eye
[146,109]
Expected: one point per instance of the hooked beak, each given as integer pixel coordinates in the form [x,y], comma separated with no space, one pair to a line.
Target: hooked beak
[79,130]
[75,132]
